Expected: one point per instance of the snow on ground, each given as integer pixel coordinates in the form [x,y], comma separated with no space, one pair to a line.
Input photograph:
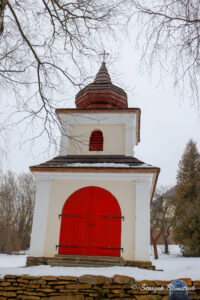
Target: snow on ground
[12,261]
[174,266]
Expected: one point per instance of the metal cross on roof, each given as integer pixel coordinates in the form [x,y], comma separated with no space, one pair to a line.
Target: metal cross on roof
[104,54]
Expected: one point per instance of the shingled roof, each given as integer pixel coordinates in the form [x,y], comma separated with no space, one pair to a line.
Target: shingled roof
[94,161]
[103,75]
[101,93]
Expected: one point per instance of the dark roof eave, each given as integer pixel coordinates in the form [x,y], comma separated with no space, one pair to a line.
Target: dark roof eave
[63,169]
[109,110]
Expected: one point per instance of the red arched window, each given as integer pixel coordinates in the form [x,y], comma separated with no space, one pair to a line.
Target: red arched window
[96,141]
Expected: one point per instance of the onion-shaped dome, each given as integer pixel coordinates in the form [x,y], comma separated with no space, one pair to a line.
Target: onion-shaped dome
[101,93]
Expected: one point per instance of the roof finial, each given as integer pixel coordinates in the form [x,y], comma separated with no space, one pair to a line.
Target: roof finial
[104,54]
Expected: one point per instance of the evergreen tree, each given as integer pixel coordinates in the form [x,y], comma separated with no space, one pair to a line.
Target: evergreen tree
[187,199]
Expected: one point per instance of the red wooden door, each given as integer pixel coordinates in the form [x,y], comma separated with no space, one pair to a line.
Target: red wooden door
[91,224]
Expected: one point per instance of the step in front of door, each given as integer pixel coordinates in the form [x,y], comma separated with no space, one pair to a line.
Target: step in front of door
[83,263]
[88,258]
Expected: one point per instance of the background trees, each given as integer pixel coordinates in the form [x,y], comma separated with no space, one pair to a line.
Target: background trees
[187,199]
[161,219]
[170,33]
[17,193]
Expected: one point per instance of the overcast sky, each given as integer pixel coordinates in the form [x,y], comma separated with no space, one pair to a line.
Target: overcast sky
[166,122]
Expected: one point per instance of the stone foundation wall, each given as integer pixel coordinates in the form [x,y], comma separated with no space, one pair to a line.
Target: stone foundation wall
[87,287]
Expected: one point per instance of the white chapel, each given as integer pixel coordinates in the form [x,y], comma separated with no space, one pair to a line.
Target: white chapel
[93,199]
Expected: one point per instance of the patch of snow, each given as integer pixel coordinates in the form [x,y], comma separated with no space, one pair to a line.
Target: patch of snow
[174,266]
[21,252]
[109,165]
[12,261]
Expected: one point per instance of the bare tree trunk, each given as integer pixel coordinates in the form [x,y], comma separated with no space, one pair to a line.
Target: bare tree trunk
[154,242]
[166,244]
[165,238]
[3,4]
[155,250]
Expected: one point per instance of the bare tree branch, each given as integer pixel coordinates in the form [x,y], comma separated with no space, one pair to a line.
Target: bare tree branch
[44,47]
[170,33]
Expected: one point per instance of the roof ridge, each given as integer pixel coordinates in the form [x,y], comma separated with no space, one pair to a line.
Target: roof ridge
[103,75]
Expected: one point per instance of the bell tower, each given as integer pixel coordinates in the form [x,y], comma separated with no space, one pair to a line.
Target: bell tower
[102,108]
[94,198]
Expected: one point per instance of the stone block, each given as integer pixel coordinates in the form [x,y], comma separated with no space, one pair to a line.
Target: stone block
[68,291]
[11,276]
[194,297]
[63,282]
[22,280]
[54,294]
[147,297]
[120,279]
[7,294]
[22,285]
[114,286]
[146,282]
[136,292]
[46,286]
[188,281]
[28,297]
[5,283]
[108,280]
[161,283]
[31,277]
[19,292]
[68,278]
[165,297]
[59,287]
[115,291]
[10,280]
[92,279]
[65,297]
[35,293]
[12,288]
[37,281]
[15,284]
[46,290]
[34,286]
[49,278]
[79,286]
[126,298]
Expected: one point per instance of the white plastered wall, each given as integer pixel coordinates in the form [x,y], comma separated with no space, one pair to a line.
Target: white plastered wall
[113,139]
[40,216]
[119,132]
[132,192]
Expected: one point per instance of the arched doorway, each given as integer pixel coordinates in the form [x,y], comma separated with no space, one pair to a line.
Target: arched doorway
[91,224]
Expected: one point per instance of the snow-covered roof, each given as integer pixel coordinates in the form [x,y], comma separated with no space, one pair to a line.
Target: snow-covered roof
[94,161]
